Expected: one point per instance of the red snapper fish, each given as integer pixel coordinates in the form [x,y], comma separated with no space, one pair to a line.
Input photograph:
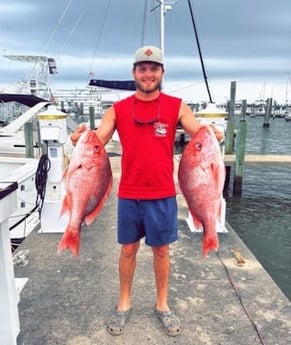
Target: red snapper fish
[88,183]
[201,178]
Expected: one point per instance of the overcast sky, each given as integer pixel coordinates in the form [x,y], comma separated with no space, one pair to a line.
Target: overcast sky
[248,41]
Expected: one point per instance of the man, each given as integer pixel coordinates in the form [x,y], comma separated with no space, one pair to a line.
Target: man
[146,123]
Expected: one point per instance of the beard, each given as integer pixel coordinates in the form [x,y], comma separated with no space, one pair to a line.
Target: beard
[155,87]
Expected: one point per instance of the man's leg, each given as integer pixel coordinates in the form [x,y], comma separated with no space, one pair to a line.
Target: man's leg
[162,272]
[127,264]
[169,320]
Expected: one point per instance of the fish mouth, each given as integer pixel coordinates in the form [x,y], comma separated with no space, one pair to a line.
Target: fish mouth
[91,134]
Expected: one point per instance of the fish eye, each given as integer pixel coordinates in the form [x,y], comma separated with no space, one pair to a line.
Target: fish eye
[198,146]
[96,148]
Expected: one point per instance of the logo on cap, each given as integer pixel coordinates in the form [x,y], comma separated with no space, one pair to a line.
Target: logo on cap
[148,52]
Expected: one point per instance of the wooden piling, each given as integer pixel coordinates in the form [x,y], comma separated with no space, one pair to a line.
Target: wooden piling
[227,179]
[268,111]
[229,136]
[182,139]
[28,138]
[240,152]
[92,117]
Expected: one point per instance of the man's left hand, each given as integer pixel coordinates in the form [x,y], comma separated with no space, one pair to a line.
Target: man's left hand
[219,134]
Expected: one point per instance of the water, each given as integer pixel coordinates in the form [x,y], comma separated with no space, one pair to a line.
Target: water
[262,216]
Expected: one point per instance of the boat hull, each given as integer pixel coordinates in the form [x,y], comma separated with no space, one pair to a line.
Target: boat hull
[25,219]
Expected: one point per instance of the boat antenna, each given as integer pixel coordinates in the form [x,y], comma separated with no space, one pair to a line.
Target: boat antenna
[199,50]
[165,6]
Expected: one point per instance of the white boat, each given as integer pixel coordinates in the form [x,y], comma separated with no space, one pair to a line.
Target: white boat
[20,213]
[15,167]
[28,97]
[25,219]
[11,135]
[23,101]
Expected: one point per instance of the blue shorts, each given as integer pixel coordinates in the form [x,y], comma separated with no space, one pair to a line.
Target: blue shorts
[156,220]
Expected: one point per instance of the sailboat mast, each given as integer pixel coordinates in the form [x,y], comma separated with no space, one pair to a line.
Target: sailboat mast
[162,26]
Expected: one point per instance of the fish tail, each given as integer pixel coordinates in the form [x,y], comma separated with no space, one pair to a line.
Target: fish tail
[70,240]
[209,243]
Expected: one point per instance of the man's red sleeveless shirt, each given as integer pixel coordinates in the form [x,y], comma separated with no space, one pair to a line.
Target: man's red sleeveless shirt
[147,134]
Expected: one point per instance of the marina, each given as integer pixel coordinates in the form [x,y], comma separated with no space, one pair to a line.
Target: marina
[47,269]
[239,295]
[44,286]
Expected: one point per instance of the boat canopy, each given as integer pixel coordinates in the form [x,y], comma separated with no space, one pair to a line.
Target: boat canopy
[26,99]
[128,85]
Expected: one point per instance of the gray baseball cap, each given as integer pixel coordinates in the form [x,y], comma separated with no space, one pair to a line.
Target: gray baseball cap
[149,54]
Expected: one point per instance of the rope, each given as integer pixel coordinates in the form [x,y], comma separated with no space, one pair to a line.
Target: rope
[70,34]
[44,166]
[241,301]
[98,39]
[57,25]
[52,35]
[199,51]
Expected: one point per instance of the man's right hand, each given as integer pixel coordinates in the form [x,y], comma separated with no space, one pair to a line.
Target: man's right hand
[76,135]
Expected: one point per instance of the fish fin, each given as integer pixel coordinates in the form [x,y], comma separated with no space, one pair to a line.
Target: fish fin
[89,219]
[215,174]
[65,173]
[218,176]
[66,204]
[219,212]
[196,221]
[70,240]
[209,243]
[87,162]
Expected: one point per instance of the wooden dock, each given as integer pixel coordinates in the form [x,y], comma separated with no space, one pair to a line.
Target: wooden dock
[255,158]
